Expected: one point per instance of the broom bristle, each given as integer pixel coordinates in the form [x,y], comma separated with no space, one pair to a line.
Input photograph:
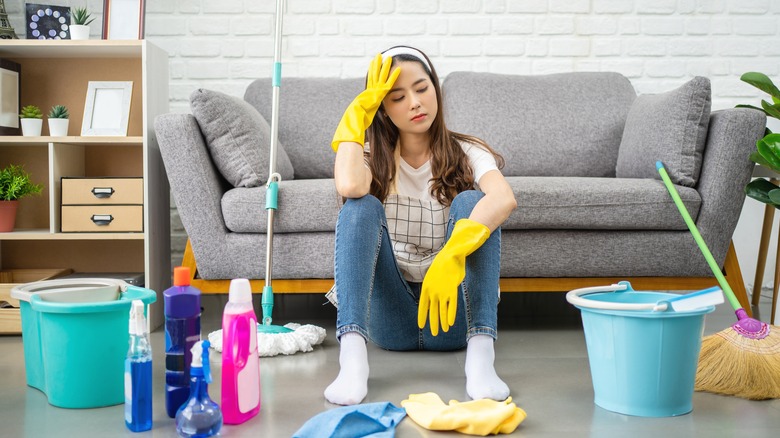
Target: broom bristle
[732,364]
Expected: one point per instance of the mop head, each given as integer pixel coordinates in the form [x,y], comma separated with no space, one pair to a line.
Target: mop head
[302,338]
[732,362]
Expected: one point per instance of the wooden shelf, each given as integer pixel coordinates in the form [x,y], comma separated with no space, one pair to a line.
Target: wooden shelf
[71,48]
[44,141]
[42,234]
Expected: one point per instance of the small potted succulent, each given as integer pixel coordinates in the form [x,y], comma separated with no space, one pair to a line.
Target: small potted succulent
[32,121]
[79,29]
[15,183]
[58,121]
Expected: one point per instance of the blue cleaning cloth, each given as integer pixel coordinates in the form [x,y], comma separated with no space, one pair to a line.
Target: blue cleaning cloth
[374,420]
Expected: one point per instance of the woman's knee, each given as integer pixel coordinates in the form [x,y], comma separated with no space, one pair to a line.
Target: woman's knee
[464,203]
[365,208]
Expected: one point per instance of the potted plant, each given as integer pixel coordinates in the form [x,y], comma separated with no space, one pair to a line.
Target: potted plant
[58,121]
[79,29]
[768,148]
[15,183]
[32,121]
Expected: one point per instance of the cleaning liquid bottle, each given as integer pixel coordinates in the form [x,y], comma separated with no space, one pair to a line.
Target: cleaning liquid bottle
[138,373]
[240,364]
[182,331]
[199,416]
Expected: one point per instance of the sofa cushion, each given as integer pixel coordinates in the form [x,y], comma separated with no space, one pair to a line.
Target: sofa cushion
[309,111]
[305,205]
[669,127]
[567,124]
[238,138]
[577,203]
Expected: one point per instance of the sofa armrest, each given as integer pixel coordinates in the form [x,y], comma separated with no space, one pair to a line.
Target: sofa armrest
[726,169]
[196,184]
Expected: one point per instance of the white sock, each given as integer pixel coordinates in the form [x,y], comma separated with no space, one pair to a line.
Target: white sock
[481,378]
[351,385]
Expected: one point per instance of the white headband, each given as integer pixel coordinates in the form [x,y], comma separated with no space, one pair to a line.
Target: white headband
[404,50]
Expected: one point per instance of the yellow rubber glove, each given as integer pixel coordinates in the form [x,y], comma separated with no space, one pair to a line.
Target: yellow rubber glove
[477,417]
[439,295]
[361,111]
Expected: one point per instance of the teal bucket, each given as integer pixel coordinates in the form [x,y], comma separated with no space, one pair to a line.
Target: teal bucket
[642,361]
[75,337]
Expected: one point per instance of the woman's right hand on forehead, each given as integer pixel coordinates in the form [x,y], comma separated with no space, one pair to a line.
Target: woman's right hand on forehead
[361,111]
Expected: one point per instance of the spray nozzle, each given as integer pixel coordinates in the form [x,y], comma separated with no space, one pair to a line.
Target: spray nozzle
[200,358]
[137,320]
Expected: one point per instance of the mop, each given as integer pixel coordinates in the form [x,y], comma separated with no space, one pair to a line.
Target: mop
[273,339]
[743,360]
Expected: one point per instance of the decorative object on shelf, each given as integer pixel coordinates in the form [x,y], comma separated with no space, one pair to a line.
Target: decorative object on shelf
[47,22]
[32,121]
[768,148]
[79,29]
[10,96]
[58,119]
[6,31]
[15,183]
[107,109]
[123,19]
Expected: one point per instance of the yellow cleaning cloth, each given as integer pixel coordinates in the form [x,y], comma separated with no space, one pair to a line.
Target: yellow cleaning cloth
[477,417]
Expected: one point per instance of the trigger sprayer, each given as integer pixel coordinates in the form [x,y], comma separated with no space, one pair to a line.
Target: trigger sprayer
[199,416]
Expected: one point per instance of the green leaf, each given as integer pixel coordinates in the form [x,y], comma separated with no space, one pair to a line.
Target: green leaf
[766,147]
[762,82]
[771,110]
[759,190]
[757,158]
[774,195]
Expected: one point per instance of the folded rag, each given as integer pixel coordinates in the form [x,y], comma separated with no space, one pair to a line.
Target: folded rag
[374,420]
[477,417]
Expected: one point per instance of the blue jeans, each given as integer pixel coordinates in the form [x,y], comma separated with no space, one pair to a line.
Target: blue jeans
[378,303]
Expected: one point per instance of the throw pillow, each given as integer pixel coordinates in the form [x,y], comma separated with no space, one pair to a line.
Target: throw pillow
[669,127]
[238,138]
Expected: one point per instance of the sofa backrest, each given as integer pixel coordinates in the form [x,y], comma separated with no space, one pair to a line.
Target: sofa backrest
[567,124]
[309,111]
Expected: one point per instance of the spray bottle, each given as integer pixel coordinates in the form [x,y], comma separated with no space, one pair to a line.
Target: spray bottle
[240,364]
[199,416]
[138,372]
[182,331]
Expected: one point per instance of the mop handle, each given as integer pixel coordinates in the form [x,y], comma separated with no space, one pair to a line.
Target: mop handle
[697,237]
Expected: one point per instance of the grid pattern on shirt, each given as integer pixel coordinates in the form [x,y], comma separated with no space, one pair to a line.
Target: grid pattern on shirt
[417,230]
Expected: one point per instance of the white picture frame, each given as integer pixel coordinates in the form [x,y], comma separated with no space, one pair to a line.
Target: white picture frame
[124,19]
[107,108]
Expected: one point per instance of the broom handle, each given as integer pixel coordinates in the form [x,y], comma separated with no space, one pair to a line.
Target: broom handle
[697,237]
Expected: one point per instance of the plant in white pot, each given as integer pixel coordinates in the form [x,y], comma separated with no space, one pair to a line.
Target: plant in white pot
[15,183]
[58,121]
[79,29]
[32,121]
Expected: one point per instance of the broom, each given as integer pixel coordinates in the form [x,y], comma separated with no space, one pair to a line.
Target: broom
[743,360]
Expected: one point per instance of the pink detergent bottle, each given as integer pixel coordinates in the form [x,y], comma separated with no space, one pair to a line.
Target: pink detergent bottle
[240,364]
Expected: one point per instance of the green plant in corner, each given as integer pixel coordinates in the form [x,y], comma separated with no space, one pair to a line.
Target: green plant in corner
[80,16]
[15,183]
[59,112]
[31,112]
[767,151]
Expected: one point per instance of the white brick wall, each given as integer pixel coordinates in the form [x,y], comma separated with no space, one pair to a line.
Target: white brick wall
[658,44]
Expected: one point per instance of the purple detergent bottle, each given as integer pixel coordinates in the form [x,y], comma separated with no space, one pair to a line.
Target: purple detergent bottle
[182,331]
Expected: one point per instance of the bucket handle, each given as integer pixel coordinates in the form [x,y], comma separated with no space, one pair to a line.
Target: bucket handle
[575,297]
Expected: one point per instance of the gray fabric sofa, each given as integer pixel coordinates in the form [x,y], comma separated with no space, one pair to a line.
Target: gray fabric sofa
[580,152]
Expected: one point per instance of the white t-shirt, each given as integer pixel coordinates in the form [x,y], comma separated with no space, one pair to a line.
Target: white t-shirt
[417,222]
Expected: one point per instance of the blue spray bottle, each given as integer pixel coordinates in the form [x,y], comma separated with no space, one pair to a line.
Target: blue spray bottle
[138,372]
[199,417]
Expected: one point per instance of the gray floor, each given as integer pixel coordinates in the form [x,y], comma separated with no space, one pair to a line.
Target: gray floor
[541,354]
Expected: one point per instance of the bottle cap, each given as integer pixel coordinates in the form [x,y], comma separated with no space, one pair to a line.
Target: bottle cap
[181,276]
[137,320]
[240,291]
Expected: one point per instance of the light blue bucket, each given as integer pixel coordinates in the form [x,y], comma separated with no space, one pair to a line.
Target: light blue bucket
[75,337]
[642,362]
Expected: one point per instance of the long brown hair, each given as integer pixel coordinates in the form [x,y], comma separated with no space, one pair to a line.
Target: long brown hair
[449,164]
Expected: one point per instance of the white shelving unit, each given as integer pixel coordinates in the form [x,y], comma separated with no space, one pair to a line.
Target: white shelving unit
[58,72]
